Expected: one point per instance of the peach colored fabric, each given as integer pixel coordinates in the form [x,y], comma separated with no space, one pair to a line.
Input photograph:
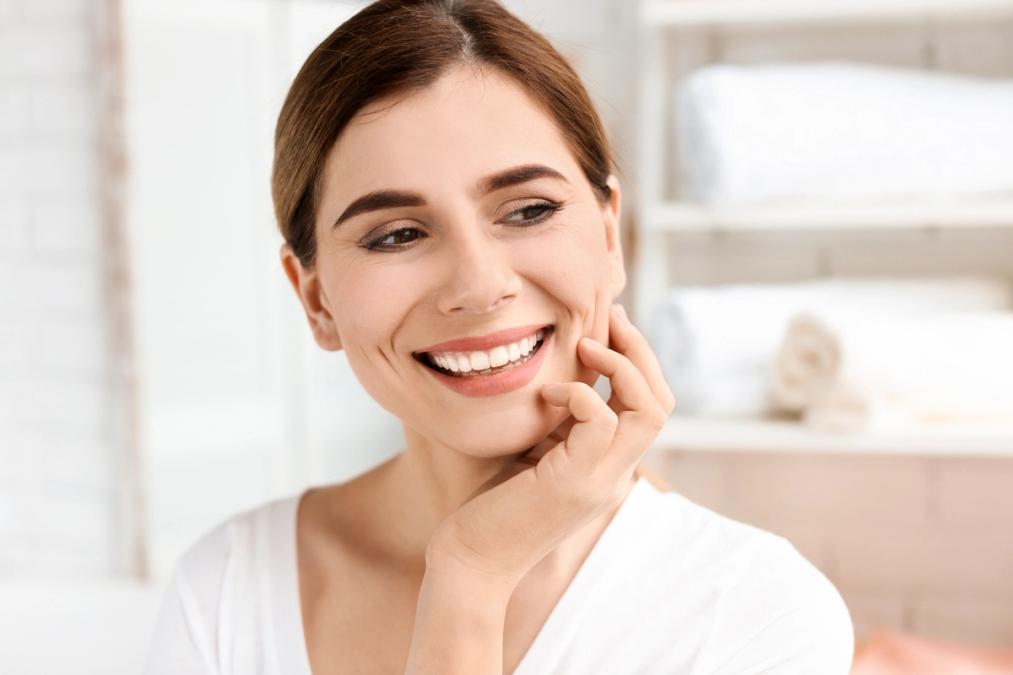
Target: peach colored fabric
[891,652]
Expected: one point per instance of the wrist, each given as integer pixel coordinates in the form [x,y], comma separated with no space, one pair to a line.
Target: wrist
[472,590]
[459,622]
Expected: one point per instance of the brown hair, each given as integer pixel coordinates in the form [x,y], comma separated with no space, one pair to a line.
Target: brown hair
[395,46]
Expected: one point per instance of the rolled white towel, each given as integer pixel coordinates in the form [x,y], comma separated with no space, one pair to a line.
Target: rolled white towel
[808,362]
[856,371]
[842,130]
[715,343]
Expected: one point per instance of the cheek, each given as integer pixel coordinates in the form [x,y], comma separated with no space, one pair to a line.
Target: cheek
[572,266]
[377,371]
[568,262]
[369,300]
[369,306]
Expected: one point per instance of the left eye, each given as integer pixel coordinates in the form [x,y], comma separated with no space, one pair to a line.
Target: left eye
[539,208]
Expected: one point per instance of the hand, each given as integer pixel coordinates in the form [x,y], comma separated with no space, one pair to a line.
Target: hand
[581,470]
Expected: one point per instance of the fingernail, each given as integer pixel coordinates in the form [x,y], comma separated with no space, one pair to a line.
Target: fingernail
[621,311]
[594,344]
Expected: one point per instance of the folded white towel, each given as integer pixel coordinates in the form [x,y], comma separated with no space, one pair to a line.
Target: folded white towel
[839,129]
[855,371]
[715,343]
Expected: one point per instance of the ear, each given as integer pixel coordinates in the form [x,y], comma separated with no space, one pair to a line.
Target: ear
[306,283]
[611,214]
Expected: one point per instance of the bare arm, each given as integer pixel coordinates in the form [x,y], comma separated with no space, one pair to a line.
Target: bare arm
[459,621]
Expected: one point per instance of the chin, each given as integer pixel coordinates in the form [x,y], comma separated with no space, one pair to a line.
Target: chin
[483,437]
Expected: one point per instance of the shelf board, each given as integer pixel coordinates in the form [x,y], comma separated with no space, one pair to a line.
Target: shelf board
[683,433]
[702,13]
[810,215]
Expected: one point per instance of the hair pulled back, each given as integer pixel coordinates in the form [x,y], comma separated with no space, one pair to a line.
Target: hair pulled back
[399,46]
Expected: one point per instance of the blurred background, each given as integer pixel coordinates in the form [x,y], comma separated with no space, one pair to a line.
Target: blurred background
[818,224]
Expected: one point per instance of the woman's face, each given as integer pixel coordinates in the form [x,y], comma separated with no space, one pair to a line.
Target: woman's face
[454,256]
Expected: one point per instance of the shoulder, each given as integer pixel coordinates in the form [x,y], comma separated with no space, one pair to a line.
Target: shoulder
[235,545]
[770,604]
[784,609]
[214,582]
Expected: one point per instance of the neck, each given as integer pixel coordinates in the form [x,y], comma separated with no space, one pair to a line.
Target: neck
[424,484]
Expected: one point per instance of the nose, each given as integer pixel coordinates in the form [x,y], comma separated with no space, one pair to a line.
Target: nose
[480,274]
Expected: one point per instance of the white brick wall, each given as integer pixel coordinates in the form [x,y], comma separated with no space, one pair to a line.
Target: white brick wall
[56,471]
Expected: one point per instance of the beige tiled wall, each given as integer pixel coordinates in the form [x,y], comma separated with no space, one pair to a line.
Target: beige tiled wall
[921,543]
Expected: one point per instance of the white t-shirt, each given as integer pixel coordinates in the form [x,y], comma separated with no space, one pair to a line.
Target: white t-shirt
[669,587]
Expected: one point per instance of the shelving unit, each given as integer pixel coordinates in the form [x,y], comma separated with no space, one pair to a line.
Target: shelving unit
[662,215]
[689,217]
[696,13]
[749,435]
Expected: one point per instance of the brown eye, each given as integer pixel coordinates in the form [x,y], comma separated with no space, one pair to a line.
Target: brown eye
[541,211]
[397,235]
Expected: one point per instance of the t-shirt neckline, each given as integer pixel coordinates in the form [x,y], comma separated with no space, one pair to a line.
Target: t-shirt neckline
[614,540]
[292,653]
[291,650]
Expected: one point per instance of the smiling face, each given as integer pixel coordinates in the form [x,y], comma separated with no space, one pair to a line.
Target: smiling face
[488,223]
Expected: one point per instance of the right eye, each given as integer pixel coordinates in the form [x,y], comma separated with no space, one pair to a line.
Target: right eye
[378,245]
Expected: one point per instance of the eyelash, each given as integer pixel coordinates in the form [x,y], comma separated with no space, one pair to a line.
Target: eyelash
[548,208]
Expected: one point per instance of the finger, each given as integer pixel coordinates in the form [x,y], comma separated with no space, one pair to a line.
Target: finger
[593,429]
[626,380]
[631,441]
[558,434]
[538,450]
[640,424]
[627,340]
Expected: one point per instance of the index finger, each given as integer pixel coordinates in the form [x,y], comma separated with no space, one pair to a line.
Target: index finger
[627,340]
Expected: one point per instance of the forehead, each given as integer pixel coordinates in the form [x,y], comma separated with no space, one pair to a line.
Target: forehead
[469,123]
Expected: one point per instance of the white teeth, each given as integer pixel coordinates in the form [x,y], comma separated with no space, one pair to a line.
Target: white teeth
[498,356]
[479,360]
[465,362]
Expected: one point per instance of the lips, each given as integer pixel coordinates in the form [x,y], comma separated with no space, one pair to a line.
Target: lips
[483,342]
[426,358]
[495,383]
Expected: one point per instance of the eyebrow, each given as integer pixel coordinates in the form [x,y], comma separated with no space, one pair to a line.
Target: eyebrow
[388,199]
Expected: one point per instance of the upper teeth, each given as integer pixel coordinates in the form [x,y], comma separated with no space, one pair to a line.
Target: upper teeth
[464,362]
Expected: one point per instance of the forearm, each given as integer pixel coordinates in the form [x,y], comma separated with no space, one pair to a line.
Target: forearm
[459,621]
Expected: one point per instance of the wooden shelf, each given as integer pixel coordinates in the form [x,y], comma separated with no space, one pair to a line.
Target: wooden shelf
[703,13]
[684,433]
[949,213]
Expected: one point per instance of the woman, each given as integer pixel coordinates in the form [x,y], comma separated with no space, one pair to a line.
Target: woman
[444,188]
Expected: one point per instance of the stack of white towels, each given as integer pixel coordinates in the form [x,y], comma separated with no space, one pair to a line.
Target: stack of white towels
[839,130]
[842,354]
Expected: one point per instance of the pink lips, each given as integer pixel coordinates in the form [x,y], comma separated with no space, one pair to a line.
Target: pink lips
[496,383]
[484,342]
